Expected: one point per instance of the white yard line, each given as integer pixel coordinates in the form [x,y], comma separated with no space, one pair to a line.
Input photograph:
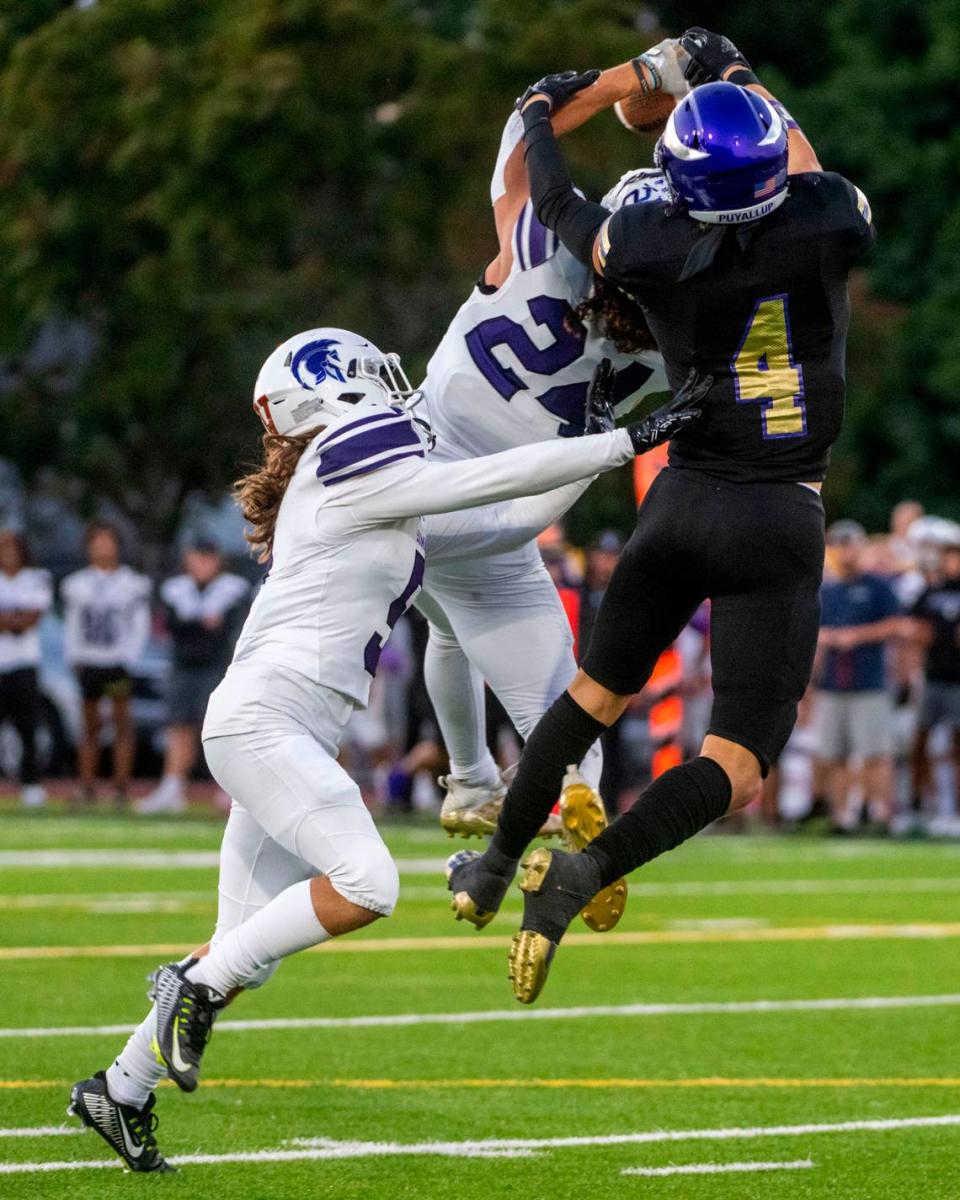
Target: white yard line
[176,901]
[572,1013]
[797,1164]
[40,1131]
[736,1133]
[317,1149]
[725,851]
[163,860]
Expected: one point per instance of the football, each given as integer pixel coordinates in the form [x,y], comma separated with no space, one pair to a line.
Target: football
[645,114]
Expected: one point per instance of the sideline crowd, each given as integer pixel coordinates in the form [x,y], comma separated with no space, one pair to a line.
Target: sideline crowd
[876,747]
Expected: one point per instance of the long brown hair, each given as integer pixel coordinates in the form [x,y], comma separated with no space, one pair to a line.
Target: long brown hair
[620,317]
[260,492]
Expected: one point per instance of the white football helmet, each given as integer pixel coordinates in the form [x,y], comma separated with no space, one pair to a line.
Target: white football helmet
[317,376]
[641,186]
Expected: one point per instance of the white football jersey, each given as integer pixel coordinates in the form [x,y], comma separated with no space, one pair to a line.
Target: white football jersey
[29,590]
[509,371]
[107,616]
[348,552]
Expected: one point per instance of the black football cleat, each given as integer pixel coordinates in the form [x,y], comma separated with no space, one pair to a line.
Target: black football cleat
[128,1131]
[186,1012]
[556,886]
[478,885]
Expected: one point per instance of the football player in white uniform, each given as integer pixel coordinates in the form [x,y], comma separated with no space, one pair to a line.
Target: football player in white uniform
[513,368]
[106,609]
[336,509]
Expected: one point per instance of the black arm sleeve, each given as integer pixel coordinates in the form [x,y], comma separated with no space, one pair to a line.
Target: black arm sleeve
[574,220]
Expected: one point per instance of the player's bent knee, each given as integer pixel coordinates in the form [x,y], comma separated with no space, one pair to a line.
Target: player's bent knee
[602,704]
[742,768]
[367,876]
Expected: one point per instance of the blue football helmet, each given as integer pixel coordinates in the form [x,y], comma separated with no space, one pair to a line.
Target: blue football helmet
[724,153]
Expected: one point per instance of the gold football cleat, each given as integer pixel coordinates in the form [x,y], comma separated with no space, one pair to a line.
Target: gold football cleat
[462,903]
[530,957]
[584,818]
[466,910]
[470,811]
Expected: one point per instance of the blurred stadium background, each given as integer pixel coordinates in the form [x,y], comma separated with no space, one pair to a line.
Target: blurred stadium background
[181,186]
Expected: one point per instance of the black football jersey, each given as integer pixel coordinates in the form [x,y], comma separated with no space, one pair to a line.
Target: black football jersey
[763,308]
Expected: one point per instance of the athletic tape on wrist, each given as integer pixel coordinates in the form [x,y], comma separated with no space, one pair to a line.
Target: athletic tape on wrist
[742,76]
[638,64]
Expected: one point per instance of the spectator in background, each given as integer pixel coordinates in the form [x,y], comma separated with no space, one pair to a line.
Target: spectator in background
[203,608]
[107,619]
[602,556]
[902,516]
[854,711]
[936,626]
[25,595]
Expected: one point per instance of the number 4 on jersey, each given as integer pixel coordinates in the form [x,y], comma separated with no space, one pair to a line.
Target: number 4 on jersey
[764,371]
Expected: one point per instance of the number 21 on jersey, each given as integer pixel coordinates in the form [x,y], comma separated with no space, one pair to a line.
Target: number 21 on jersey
[764,371]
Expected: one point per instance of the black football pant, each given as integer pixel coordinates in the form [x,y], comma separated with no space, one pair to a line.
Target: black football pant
[755,550]
[20,705]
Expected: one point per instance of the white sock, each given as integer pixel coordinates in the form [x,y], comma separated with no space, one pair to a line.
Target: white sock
[136,1072]
[482,774]
[282,927]
[458,700]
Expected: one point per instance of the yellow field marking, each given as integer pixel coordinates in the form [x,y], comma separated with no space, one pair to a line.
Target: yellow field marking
[717,1081]
[649,937]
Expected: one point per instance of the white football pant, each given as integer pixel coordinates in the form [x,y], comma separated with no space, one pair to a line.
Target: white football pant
[496,619]
[296,813]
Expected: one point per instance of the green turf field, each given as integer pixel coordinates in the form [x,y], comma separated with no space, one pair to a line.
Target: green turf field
[472,1096]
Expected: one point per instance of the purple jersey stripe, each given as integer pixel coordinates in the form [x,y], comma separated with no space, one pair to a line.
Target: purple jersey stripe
[385,415]
[538,242]
[363,445]
[367,467]
[518,236]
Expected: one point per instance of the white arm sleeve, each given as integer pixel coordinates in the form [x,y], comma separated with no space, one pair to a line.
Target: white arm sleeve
[512,136]
[497,528]
[420,487]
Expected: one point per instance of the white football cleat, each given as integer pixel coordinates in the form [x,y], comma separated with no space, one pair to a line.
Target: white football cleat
[470,811]
[32,795]
[166,797]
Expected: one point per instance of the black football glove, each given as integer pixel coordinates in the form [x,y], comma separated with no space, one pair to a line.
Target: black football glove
[558,88]
[600,417]
[710,55]
[661,425]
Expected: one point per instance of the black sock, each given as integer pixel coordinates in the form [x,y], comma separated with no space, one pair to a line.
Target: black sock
[563,736]
[673,808]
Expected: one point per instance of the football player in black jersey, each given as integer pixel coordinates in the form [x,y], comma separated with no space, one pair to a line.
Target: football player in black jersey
[741,276]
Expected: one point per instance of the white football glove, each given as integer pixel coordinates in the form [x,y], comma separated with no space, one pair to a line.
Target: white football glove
[668,60]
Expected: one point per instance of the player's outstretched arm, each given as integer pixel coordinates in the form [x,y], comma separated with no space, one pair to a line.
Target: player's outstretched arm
[419,488]
[659,68]
[499,528]
[430,487]
[713,57]
[575,221]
